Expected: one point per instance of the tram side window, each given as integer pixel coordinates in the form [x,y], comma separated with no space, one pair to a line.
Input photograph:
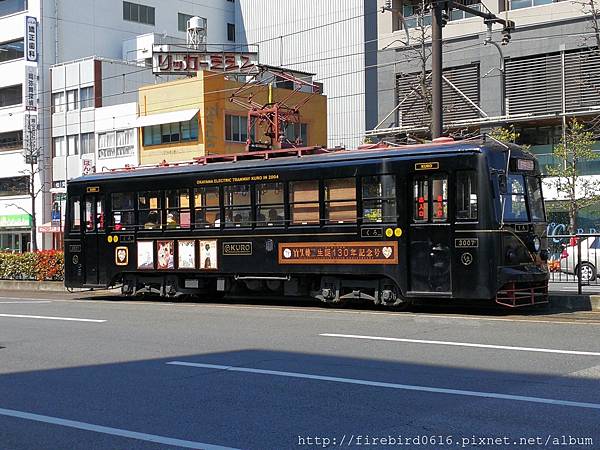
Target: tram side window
[304,202]
[100,214]
[177,203]
[439,187]
[269,204]
[379,199]
[421,200]
[149,206]
[340,200]
[207,213]
[90,219]
[466,196]
[123,210]
[75,214]
[238,206]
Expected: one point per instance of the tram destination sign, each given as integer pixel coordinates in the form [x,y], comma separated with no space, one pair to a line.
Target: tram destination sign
[385,252]
[192,61]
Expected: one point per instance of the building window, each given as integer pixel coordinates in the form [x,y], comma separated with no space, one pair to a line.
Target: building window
[73,144]
[58,146]
[269,204]
[340,200]
[87,143]
[206,202]
[457,14]
[297,133]
[138,13]
[11,140]
[182,20]
[231,32]
[304,202]
[87,97]
[116,144]
[11,50]
[379,199]
[58,102]
[72,100]
[236,128]
[14,186]
[519,4]
[171,132]
[11,95]
[12,6]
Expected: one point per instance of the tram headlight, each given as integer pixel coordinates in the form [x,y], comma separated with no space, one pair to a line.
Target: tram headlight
[537,243]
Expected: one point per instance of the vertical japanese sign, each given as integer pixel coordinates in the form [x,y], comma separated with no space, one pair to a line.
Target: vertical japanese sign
[30,88]
[31,29]
[30,92]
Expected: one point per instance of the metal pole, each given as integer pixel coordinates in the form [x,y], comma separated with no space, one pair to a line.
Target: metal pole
[578,265]
[437,114]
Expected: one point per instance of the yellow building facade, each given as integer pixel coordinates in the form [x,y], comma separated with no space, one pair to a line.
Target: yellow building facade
[194,117]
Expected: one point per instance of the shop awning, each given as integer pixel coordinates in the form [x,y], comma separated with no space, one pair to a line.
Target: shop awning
[168,117]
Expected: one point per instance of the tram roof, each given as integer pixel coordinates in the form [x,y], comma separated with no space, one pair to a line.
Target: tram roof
[331,156]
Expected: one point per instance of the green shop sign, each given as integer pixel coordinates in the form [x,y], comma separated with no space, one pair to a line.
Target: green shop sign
[15,220]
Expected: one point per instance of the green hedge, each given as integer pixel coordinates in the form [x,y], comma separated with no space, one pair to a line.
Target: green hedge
[41,266]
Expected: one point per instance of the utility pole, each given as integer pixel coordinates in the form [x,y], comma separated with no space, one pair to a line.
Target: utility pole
[437,100]
[440,11]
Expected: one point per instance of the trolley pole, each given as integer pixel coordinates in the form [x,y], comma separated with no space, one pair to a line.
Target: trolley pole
[437,101]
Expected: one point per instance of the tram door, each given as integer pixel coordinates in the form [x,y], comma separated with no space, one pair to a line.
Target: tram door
[93,228]
[430,236]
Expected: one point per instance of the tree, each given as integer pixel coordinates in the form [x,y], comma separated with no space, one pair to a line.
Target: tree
[575,149]
[509,136]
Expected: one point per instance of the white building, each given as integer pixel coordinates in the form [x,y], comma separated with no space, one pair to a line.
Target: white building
[334,39]
[65,30]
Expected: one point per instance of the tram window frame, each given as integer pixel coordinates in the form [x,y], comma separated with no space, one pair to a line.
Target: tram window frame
[380,200]
[510,194]
[536,203]
[417,195]
[144,213]
[122,211]
[93,211]
[461,199]
[75,214]
[328,203]
[202,209]
[232,210]
[177,210]
[270,220]
[435,199]
[296,206]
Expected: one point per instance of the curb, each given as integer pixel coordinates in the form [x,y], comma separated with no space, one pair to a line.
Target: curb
[24,285]
[572,302]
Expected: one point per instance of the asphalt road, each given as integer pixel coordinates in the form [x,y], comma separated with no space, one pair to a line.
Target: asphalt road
[105,374]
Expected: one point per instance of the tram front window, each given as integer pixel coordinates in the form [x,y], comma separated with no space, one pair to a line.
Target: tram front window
[536,203]
[515,208]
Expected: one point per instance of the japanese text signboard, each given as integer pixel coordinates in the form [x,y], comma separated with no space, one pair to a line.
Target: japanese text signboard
[338,253]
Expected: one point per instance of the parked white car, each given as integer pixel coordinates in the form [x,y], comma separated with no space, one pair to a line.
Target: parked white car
[590,257]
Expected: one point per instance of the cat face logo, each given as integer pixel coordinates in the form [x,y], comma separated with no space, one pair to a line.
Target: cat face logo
[121,256]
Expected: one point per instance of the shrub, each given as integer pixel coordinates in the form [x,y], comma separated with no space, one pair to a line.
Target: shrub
[42,266]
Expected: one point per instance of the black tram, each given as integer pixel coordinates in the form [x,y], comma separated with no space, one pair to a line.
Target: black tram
[447,220]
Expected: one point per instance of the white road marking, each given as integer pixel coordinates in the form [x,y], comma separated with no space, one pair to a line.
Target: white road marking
[68,319]
[112,431]
[24,302]
[463,344]
[406,387]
